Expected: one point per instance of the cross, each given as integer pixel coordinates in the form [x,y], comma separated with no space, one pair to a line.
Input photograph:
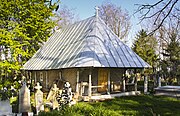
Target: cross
[38,87]
[55,88]
[97,10]
[24,83]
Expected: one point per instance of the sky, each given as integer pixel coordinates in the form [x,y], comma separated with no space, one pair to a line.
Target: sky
[86,8]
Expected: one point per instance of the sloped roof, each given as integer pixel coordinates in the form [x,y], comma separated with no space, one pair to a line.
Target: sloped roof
[88,43]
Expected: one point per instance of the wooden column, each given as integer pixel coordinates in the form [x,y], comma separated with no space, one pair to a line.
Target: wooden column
[123,81]
[109,81]
[77,82]
[60,75]
[26,73]
[89,91]
[124,84]
[30,76]
[46,79]
[35,77]
[145,84]
[135,81]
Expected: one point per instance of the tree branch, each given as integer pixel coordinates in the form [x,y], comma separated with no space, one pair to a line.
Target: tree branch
[167,9]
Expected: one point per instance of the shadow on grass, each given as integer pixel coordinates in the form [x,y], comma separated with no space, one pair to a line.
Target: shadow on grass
[143,105]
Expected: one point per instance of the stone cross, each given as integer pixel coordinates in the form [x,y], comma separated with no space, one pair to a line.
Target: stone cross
[55,88]
[38,87]
[39,99]
[24,99]
[52,96]
[54,102]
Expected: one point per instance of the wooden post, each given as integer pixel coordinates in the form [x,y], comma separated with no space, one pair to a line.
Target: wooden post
[30,76]
[109,82]
[135,81]
[145,84]
[81,87]
[77,82]
[60,75]
[26,73]
[35,78]
[124,83]
[89,92]
[46,79]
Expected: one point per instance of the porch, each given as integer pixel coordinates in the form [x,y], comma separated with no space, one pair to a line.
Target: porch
[104,83]
[89,83]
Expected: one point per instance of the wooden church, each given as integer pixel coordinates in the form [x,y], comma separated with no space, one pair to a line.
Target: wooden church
[89,56]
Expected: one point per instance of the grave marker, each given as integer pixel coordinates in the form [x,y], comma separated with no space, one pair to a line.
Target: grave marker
[52,96]
[24,99]
[5,108]
[39,99]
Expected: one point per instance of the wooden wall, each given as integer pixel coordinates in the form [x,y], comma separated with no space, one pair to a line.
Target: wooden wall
[46,78]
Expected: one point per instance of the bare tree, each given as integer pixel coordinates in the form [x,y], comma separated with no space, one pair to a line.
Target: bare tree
[117,19]
[159,12]
[65,16]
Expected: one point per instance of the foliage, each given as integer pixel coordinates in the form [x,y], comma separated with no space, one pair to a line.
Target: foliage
[129,105]
[24,25]
[145,47]
[116,19]
[171,63]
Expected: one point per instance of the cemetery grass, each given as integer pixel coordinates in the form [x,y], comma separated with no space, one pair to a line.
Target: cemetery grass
[147,105]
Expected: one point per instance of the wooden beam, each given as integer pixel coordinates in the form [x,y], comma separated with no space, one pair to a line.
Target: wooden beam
[35,77]
[123,81]
[135,81]
[60,75]
[77,82]
[109,82]
[89,91]
[46,79]
[145,84]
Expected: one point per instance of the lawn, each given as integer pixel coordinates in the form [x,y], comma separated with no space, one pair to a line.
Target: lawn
[132,105]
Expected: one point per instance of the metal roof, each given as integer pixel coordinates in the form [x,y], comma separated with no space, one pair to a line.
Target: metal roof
[88,43]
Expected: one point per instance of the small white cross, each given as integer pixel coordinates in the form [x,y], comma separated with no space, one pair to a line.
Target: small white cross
[97,10]
[38,87]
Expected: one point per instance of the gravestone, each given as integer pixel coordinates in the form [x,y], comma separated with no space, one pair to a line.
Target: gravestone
[52,96]
[5,108]
[24,99]
[55,102]
[66,96]
[39,99]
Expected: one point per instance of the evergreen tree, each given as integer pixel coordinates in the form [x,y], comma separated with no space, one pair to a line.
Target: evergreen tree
[171,62]
[145,47]
[24,24]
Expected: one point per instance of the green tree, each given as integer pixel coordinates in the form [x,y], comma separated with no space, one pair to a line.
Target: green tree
[171,62]
[145,47]
[24,24]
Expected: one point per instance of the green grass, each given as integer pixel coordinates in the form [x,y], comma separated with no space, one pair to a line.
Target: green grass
[132,105]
